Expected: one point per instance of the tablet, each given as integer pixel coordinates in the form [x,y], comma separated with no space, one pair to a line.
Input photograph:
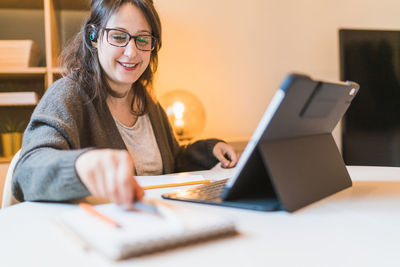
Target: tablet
[291,159]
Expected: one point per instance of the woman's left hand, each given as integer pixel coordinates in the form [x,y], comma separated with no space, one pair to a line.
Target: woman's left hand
[226,154]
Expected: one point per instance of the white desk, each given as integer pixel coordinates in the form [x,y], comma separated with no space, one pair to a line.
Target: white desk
[359,226]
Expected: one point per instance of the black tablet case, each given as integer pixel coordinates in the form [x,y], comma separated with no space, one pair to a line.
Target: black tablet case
[295,162]
[297,154]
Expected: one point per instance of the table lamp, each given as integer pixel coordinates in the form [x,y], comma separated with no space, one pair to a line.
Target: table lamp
[185,112]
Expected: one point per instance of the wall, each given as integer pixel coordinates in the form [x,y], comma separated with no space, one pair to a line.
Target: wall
[233,54]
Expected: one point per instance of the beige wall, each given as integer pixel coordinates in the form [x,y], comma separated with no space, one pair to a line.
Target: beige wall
[233,54]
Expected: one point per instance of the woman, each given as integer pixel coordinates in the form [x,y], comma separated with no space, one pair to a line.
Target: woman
[98,126]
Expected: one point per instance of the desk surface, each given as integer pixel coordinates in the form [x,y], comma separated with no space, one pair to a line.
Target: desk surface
[359,226]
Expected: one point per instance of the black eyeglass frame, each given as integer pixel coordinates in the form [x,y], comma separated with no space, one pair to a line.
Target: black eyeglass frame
[134,37]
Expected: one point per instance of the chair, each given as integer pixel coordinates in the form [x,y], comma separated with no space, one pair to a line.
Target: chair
[8,197]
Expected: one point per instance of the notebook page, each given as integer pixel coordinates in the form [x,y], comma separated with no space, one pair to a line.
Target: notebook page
[142,232]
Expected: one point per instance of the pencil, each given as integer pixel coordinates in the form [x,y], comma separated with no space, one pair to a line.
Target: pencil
[92,211]
[175,184]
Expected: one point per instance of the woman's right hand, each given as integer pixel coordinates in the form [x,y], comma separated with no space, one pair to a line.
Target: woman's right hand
[108,173]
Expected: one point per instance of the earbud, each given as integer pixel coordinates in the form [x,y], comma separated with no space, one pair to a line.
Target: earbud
[93,35]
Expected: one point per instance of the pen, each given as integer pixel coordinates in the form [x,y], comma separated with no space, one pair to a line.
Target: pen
[175,184]
[142,206]
[92,211]
[162,211]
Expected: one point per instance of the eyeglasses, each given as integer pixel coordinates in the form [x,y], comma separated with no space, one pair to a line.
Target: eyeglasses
[121,38]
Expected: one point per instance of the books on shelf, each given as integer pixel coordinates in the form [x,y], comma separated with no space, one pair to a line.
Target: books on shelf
[18,98]
[141,232]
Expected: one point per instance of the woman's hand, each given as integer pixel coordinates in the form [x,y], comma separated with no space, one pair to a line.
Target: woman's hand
[108,173]
[226,154]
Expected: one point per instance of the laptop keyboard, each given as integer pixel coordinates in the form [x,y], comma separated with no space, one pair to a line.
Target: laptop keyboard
[210,192]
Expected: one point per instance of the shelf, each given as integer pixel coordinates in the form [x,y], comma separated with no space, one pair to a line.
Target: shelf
[22,72]
[58,70]
[72,4]
[50,24]
[5,159]
[38,4]
[22,4]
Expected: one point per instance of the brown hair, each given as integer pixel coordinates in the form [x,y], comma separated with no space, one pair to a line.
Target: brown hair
[81,62]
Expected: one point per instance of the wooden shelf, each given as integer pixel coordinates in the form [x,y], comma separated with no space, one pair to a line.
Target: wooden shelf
[72,4]
[38,4]
[49,30]
[57,70]
[22,4]
[5,159]
[22,72]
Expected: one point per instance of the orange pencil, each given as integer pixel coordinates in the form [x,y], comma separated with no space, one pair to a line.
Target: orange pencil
[175,184]
[92,211]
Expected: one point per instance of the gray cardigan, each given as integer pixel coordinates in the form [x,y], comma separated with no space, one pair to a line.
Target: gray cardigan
[66,123]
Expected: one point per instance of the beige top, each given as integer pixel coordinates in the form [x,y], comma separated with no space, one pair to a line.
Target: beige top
[142,145]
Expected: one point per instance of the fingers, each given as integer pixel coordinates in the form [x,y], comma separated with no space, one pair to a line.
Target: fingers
[223,158]
[125,181]
[109,174]
[139,192]
[107,177]
[226,154]
[91,185]
[232,155]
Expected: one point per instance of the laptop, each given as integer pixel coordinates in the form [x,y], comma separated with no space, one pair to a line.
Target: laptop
[291,159]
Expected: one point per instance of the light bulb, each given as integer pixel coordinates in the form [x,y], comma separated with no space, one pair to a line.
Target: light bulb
[185,112]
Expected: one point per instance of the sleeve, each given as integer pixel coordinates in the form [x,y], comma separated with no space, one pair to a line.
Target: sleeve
[51,145]
[192,157]
[197,156]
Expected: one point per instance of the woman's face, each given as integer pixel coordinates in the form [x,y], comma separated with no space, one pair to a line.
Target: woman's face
[124,65]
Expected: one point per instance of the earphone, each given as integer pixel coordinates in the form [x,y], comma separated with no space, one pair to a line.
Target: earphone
[93,35]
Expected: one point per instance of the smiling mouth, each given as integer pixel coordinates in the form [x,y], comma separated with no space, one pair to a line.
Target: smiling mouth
[128,65]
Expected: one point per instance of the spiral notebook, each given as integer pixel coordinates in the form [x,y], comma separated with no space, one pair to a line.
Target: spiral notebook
[141,232]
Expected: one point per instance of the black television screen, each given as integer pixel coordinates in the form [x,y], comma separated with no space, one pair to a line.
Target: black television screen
[371,125]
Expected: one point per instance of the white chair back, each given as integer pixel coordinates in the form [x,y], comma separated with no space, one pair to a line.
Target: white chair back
[8,197]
